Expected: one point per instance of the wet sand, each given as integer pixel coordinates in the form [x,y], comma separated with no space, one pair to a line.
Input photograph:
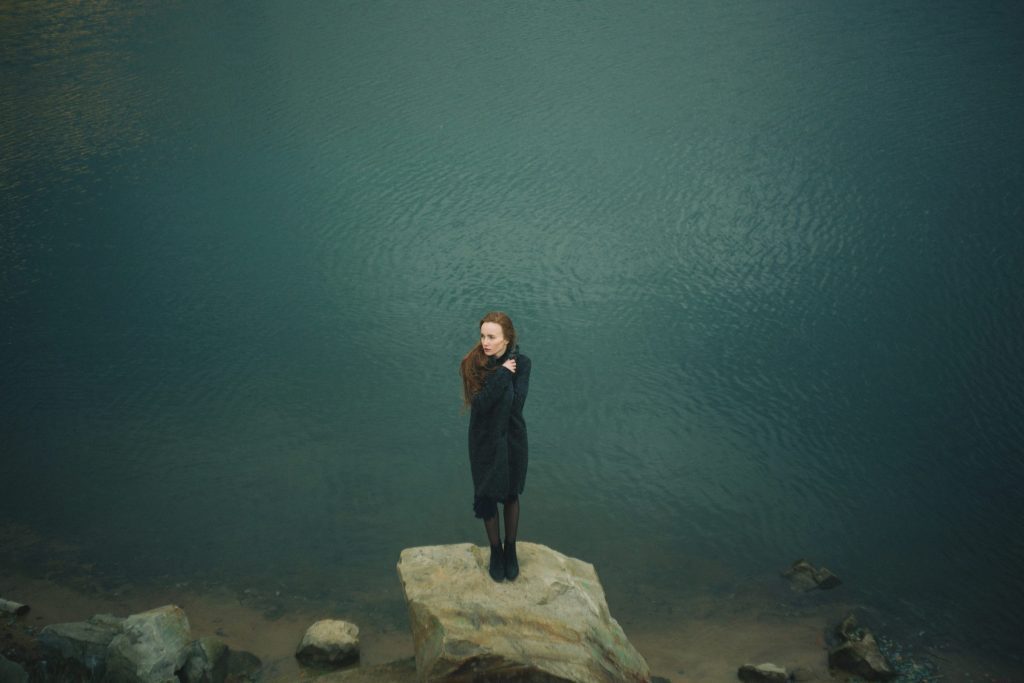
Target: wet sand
[700,638]
[217,613]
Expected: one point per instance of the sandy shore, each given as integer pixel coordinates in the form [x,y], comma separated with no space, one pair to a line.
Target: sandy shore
[703,640]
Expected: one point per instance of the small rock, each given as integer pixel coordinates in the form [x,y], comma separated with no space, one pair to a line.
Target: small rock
[14,609]
[826,579]
[11,672]
[767,672]
[803,576]
[331,642]
[858,652]
[207,662]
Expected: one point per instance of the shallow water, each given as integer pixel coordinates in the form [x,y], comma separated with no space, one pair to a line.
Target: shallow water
[766,259]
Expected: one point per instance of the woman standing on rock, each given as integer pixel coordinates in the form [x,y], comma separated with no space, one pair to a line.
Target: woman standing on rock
[495,379]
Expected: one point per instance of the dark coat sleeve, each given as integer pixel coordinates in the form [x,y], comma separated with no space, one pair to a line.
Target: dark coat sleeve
[494,388]
[521,383]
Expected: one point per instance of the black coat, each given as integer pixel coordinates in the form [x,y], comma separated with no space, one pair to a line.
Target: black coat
[498,451]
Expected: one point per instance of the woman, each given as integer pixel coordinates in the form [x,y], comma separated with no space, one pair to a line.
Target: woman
[495,379]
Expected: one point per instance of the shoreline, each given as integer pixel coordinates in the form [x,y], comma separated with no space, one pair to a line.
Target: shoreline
[702,641]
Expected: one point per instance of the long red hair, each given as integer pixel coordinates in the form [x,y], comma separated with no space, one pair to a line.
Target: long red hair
[473,367]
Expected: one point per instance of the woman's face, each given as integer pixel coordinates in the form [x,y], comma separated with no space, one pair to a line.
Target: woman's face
[492,338]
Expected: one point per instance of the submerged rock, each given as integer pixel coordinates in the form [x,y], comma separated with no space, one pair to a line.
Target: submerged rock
[329,642]
[766,673]
[151,646]
[826,579]
[551,624]
[15,609]
[11,672]
[82,645]
[207,662]
[243,665]
[857,652]
[803,576]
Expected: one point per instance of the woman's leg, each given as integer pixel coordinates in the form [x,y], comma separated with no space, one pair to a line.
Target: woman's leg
[493,535]
[511,529]
[511,518]
[487,509]
[497,564]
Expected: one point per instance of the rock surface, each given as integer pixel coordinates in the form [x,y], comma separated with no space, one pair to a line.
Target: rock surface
[857,652]
[551,624]
[82,644]
[767,672]
[329,642]
[207,662]
[803,576]
[150,647]
[16,609]
[243,665]
[10,672]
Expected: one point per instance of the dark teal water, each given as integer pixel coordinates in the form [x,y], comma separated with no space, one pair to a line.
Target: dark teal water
[766,257]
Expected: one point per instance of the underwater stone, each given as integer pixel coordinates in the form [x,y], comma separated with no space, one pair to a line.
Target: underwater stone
[826,579]
[11,672]
[858,652]
[13,608]
[243,665]
[207,662]
[331,642]
[151,647]
[83,643]
[803,576]
[767,672]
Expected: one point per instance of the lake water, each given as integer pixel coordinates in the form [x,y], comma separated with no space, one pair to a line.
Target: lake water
[767,258]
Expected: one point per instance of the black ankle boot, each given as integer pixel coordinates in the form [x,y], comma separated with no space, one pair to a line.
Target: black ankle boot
[497,569]
[511,561]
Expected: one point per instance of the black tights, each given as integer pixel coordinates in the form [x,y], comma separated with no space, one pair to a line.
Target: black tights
[511,523]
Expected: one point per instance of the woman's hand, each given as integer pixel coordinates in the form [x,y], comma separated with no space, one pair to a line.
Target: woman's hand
[510,365]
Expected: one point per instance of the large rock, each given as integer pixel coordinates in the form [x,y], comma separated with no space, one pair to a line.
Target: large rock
[552,624]
[150,648]
[329,642]
[857,652]
[82,645]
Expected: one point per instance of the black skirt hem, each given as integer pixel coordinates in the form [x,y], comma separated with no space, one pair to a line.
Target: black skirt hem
[485,507]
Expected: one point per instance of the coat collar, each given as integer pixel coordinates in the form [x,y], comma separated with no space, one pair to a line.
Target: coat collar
[511,350]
